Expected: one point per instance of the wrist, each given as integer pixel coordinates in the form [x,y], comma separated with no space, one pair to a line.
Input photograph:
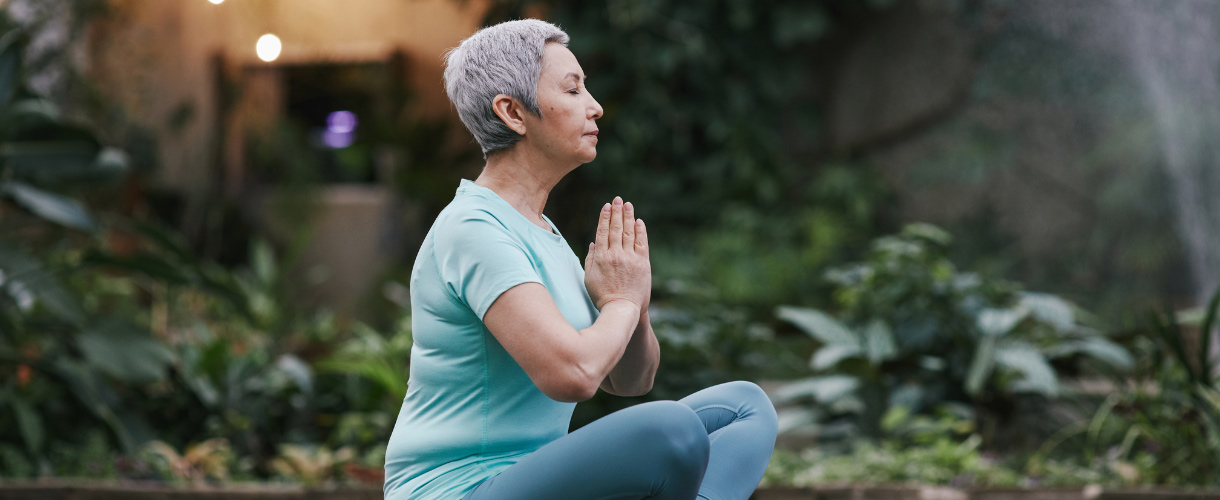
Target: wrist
[623,304]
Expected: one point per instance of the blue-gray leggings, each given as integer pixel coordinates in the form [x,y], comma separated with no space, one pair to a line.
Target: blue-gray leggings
[714,443]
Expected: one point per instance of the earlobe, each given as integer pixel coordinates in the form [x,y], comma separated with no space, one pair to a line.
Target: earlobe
[510,112]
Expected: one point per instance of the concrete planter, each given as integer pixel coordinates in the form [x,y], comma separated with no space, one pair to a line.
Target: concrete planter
[352,238]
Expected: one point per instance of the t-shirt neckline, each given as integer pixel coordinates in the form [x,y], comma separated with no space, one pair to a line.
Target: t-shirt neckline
[467,184]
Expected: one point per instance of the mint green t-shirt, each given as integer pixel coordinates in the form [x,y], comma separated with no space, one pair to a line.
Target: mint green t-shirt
[470,410]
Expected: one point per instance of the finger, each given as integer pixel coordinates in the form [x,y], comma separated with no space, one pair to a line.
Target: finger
[603,227]
[641,237]
[589,256]
[616,224]
[628,226]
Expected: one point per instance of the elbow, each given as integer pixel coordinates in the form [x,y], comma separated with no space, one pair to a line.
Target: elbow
[644,389]
[639,390]
[576,384]
[569,393]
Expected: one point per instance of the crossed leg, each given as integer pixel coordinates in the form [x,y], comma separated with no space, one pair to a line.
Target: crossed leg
[713,444]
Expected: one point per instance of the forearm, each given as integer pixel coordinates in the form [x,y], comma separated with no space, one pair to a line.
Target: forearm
[635,371]
[601,346]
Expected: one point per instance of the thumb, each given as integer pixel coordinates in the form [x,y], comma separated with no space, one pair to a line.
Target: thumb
[589,256]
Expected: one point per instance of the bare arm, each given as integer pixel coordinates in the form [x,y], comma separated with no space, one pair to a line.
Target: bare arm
[566,364]
[635,372]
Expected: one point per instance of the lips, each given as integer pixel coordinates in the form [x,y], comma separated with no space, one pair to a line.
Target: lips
[593,133]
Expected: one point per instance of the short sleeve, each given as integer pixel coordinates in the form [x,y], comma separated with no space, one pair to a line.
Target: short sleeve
[479,259]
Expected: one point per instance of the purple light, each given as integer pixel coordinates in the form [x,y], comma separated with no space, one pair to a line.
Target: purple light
[337,140]
[341,122]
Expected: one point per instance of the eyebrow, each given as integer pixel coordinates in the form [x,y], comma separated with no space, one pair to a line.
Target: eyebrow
[572,74]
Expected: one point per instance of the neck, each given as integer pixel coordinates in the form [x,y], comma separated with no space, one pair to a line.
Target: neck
[522,179]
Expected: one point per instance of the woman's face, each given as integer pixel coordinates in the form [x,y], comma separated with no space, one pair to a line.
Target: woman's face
[567,130]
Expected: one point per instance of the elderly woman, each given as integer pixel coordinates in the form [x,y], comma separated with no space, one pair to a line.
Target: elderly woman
[511,331]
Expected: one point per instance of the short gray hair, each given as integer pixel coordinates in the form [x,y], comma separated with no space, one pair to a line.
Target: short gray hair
[501,59]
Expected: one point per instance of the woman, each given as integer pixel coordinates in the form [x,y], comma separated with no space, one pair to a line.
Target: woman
[510,331]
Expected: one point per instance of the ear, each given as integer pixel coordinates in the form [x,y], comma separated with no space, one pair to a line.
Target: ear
[510,111]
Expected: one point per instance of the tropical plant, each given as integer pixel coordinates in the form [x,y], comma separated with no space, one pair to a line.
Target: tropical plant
[68,360]
[1163,424]
[940,450]
[917,332]
[311,465]
[206,460]
[377,359]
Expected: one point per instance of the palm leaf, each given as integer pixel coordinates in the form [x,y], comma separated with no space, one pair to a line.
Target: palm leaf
[1205,338]
[818,325]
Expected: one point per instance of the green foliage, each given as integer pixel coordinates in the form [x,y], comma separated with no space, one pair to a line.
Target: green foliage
[1165,429]
[71,361]
[309,465]
[917,332]
[923,450]
[39,150]
[708,126]
[714,78]
[756,257]
[939,450]
[382,361]
[207,460]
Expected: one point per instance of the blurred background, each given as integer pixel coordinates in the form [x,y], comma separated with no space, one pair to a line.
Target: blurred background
[960,242]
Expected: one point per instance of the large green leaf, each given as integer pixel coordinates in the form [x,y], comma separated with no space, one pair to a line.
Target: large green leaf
[99,398]
[982,364]
[1038,376]
[297,370]
[830,355]
[1098,348]
[818,325]
[50,161]
[879,342]
[23,271]
[69,161]
[1205,333]
[998,322]
[10,66]
[824,389]
[50,206]
[373,357]
[123,351]
[798,420]
[29,423]
[262,262]
[29,113]
[1050,309]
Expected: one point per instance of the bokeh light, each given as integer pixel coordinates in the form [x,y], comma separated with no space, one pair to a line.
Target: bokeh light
[340,129]
[268,47]
[341,121]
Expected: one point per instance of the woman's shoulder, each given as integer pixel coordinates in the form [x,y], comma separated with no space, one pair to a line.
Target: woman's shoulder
[473,221]
[470,210]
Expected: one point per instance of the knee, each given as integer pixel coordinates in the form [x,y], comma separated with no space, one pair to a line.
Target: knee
[756,401]
[676,434]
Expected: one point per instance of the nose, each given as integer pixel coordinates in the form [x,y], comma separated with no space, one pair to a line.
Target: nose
[595,109]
